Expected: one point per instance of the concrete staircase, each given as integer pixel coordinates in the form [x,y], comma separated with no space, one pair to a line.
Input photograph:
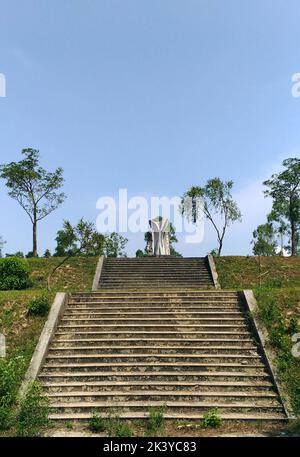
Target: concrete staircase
[124,351]
[156,272]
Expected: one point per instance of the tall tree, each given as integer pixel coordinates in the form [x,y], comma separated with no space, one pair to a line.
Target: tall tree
[284,189]
[264,240]
[35,189]
[215,201]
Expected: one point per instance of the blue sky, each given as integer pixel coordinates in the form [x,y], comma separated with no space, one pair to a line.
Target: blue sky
[152,96]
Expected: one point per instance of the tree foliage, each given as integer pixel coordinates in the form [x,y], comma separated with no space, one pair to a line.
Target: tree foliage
[264,240]
[114,245]
[284,189]
[35,189]
[215,202]
[81,239]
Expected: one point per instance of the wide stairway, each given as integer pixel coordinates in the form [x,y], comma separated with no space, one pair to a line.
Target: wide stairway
[156,272]
[124,351]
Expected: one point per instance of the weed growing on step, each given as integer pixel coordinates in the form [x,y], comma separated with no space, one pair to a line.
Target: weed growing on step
[211,419]
[117,427]
[39,306]
[32,416]
[97,423]
[156,419]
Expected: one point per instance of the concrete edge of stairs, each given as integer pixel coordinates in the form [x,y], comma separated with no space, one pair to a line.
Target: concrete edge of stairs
[97,274]
[54,317]
[213,271]
[261,334]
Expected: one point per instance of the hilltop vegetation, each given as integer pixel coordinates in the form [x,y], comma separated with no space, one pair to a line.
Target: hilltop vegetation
[276,285]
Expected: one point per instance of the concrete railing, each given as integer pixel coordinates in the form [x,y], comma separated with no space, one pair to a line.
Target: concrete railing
[213,271]
[261,334]
[97,275]
[45,339]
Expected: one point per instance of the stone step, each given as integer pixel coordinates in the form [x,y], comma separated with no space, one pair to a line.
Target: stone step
[261,398]
[159,358]
[139,367]
[166,301]
[158,334]
[150,314]
[154,376]
[155,326]
[175,406]
[168,342]
[162,269]
[128,386]
[139,294]
[132,415]
[142,322]
[162,304]
[184,351]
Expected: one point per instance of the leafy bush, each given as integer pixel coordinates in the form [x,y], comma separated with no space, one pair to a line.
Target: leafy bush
[97,423]
[14,274]
[11,371]
[211,419]
[33,413]
[117,427]
[39,306]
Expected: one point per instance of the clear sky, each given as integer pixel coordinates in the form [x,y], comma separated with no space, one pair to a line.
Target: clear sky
[153,96]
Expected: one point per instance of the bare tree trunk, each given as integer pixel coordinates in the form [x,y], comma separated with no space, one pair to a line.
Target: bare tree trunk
[220,247]
[34,238]
[293,239]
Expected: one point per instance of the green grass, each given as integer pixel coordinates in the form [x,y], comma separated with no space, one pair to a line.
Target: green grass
[22,330]
[236,272]
[276,285]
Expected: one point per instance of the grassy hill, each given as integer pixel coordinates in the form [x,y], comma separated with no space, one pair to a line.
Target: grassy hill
[21,330]
[276,285]
[275,281]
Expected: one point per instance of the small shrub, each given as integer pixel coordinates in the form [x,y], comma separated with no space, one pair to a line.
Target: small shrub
[97,424]
[270,312]
[278,339]
[14,274]
[33,413]
[211,419]
[293,326]
[38,306]
[123,430]
[117,427]
[156,418]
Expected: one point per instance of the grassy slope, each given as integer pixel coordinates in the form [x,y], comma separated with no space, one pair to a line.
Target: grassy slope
[21,331]
[276,284]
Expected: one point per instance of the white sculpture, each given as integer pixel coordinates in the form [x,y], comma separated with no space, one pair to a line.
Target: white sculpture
[160,228]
